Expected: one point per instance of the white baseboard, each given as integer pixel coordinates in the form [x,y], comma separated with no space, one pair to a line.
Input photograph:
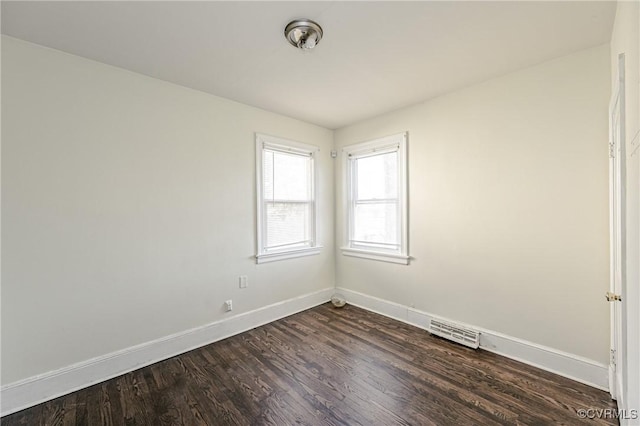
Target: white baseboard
[572,366]
[34,390]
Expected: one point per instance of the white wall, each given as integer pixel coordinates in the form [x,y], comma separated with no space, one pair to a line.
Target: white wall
[128,210]
[626,39]
[508,206]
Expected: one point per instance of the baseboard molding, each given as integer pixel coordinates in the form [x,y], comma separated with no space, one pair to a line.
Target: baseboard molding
[572,366]
[34,390]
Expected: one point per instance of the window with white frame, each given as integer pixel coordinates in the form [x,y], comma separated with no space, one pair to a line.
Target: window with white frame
[376,199]
[287,206]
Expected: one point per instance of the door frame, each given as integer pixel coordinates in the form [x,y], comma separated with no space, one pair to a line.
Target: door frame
[617,232]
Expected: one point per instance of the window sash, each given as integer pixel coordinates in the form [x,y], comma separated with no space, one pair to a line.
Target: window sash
[304,243]
[370,152]
[286,149]
[381,245]
[394,248]
[377,200]
[309,190]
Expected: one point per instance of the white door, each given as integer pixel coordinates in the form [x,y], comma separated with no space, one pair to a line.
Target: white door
[616,294]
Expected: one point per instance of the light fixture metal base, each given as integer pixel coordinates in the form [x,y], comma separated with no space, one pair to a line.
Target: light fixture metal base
[303,33]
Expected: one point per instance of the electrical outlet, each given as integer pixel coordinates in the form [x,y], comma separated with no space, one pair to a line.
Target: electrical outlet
[243,281]
[228,305]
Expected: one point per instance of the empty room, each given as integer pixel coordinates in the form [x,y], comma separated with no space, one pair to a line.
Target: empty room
[320,213]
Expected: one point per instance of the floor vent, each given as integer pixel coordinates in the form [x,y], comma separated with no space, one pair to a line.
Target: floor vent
[462,335]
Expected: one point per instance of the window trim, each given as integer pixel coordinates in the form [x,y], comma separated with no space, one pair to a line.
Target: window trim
[393,143]
[288,146]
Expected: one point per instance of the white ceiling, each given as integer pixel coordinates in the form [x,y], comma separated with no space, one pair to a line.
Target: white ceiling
[375,56]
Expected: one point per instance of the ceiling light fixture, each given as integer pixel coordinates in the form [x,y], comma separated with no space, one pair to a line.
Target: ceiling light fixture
[303,34]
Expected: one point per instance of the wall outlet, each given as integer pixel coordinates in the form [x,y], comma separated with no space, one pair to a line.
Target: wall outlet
[243,281]
[228,305]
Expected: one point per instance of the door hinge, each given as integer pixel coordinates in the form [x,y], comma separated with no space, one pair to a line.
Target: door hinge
[613,358]
[612,150]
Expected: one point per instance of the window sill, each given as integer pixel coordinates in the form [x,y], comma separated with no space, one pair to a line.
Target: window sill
[376,255]
[274,257]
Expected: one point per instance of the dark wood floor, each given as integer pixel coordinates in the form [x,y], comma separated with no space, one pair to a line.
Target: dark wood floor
[327,366]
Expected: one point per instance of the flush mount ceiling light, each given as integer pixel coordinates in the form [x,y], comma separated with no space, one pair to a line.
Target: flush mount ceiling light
[303,33]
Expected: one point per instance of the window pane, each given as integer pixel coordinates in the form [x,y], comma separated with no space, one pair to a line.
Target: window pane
[267,174]
[286,176]
[377,176]
[376,222]
[287,223]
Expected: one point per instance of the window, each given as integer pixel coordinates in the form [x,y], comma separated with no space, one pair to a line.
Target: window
[376,199]
[287,208]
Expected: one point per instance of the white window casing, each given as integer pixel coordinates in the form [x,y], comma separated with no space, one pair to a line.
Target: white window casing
[287,194]
[376,200]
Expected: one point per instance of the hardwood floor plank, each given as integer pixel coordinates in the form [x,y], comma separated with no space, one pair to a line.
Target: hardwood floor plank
[391,381]
[327,366]
[361,392]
